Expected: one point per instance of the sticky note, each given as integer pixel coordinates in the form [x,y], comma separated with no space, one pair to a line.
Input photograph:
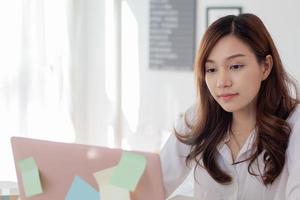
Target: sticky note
[81,190]
[108,191]
[128,171]
[30,177]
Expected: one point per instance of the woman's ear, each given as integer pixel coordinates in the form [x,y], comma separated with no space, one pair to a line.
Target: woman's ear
[267,67]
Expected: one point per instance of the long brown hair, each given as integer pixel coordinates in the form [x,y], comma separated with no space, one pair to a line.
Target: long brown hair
[274,103]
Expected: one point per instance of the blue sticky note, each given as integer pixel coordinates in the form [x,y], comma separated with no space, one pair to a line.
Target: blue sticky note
[30,177]
[81,190]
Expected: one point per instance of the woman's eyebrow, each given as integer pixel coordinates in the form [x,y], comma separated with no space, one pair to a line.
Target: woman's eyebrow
[235,55]
[227,58]
[209,61]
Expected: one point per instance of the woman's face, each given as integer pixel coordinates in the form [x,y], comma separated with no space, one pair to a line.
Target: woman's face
[233,75]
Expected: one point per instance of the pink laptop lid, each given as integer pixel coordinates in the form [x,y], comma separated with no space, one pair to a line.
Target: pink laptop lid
[58,163]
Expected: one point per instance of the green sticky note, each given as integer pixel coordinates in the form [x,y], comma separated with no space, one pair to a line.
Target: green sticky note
[129,171]
[30,177]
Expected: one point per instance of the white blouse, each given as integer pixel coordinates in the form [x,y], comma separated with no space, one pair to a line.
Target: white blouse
[244,186]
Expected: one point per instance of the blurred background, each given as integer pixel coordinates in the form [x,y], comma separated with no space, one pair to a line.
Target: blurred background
[91,71]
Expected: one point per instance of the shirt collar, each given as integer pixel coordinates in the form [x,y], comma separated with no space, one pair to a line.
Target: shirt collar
[246,148]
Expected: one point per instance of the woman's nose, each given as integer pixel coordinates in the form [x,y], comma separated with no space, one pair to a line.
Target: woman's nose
[223,79]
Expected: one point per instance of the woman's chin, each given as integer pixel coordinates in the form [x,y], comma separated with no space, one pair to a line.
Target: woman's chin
[229,108]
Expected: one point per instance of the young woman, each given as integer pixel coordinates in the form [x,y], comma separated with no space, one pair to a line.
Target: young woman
[242,138]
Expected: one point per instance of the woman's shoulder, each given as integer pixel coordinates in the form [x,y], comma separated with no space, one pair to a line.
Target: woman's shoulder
[185,122]
[294,116]
[294,140]
[294,122]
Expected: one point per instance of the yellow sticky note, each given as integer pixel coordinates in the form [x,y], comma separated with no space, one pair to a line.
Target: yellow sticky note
[108,191]
[129,171]
[30,177]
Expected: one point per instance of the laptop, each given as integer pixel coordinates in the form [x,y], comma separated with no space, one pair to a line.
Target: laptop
[59,163]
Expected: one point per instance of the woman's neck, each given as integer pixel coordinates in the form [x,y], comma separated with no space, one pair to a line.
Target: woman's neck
[243,122]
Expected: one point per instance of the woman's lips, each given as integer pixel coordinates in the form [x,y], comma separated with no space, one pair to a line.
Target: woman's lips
[227,97]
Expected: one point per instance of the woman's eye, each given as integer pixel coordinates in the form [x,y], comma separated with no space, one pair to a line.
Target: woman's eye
[236,67]
[210,70]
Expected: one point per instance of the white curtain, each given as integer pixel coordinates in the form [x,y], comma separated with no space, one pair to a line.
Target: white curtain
[35,92]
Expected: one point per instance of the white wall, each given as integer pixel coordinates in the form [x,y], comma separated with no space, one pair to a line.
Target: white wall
[165,94]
